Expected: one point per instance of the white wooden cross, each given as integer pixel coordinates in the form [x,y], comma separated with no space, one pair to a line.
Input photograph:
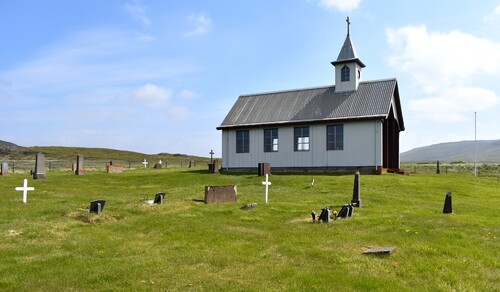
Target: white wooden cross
[160,162]
[25,190]
[267,183]
[145,163]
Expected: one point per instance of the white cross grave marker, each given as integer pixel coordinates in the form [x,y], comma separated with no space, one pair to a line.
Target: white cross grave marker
[160,162]
[145,163]
[267,183]
[25,190]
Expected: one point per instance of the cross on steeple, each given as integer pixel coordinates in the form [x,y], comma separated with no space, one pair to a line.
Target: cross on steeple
[348,24]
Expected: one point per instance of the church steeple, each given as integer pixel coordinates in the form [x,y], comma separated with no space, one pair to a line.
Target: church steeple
[348,66]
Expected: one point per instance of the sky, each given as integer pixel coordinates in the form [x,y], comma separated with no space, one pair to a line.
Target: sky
[158,76]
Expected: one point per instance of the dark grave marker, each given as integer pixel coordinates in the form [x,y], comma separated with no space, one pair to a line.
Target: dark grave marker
[215,167]
[159,197]
[157,166]
[438,170]
[346,211]
[5,169]
[325,215]
[447,204]
[79,165]
[356,200]
[313,215]
[97,206]
[264,168]
[220,194]
[39,166]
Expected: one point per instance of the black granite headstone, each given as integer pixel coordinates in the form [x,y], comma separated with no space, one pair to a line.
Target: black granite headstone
[159,197]
[346,211]
[447,204]
[325,215]
[356,197]
[97,206]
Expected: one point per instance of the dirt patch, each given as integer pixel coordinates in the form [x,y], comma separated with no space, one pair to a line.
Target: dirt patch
[13,232]
[92,218]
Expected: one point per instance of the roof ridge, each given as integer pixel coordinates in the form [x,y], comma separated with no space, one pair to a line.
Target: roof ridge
[313,87]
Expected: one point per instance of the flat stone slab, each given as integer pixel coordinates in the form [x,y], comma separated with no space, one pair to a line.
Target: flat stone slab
[380,251]
[249,206]
[220,194]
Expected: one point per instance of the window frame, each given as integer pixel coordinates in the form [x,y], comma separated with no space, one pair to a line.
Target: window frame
[345,74]
[335,138]
[242,141]
[304,144]
[271,140]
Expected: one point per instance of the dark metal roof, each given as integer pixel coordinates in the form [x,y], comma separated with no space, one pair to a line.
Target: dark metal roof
[372,100]
[348,53]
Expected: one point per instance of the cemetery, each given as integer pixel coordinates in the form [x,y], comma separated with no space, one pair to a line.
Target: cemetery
[97,231]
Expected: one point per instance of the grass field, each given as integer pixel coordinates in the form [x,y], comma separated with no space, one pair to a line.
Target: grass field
[50,244]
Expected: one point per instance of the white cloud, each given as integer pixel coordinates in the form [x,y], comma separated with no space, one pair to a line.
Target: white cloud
[188,94]
[436,60]
[340,5]
[494,16]
[203,24]
[151,95]
[454,104]
[138,12]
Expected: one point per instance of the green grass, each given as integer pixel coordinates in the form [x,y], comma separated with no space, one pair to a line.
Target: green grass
[50,244]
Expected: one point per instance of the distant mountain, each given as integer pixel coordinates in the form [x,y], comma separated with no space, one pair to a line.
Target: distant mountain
[4,144]
[486,150]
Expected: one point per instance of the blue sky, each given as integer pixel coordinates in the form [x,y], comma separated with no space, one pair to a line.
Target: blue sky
[159,76]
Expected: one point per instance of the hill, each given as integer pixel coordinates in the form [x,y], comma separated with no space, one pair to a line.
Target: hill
[486,150]
[6,144]
[69,153]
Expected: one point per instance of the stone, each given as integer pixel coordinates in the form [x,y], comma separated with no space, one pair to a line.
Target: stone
[157,166]
[114,168]
[159,198]
[215,166]
[192,164]
[79,165]
[356,200]
[346,211]
[5,169]
[325,215]
[249,206]
[380,251]
[264,168]
[39,172]
[97,206]
[220,194]
[447,204]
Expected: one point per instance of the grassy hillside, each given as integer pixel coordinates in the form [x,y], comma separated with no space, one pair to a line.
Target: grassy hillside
[51,244]
[6,144]
[70,153]
[486,151]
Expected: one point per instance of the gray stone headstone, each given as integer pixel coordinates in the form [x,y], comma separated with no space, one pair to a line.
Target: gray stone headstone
[5,168]
[264,168]
[80,170]
[39,166]
[356,196]
[220,194]
[447,204]
[215,168]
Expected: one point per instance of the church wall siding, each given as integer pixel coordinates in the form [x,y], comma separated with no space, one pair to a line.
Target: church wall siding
[362,147]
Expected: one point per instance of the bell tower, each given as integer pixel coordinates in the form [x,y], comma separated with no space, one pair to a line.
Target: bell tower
[348,67]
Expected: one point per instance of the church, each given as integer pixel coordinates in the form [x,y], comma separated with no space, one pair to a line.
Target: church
[353,125]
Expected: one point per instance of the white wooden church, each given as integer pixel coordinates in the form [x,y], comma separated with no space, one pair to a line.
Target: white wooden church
[352,125]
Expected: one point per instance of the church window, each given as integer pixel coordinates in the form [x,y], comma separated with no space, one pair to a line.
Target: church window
[242,141]
[345,73]
[335,137]
[301,138]
[270,140]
